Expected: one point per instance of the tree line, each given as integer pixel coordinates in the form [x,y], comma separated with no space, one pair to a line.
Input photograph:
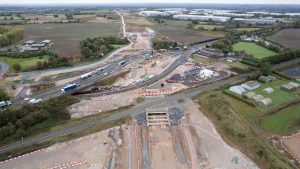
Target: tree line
[16,121]
[164,44]
[10,35]
[94,48]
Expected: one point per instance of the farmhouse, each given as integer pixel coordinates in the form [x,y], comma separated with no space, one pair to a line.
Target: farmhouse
[237,90]
[251,85]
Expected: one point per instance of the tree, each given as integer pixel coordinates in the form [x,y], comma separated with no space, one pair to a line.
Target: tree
[39,65]
[3,95]
[17,67]
[190,26]
[266,68]
[20,133]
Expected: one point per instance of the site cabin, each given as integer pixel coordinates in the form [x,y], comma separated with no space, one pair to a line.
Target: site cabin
[4,104]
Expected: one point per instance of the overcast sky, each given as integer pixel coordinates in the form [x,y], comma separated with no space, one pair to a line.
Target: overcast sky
[148,1]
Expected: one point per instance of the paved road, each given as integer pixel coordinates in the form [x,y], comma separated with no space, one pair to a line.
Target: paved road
[3,68]
[131,112]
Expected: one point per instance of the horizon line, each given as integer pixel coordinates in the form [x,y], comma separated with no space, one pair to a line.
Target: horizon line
[123,3]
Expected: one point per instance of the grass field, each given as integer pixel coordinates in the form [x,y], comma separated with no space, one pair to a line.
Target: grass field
[9,17]
[289,38]
[26,63]
[66,37]
[246,29]
[278,97]
[177,30]
[207,27]
[253,49]
[283,122]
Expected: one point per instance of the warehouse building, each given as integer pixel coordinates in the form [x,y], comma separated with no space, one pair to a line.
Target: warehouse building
[202,18]
[255,21]
[151,13]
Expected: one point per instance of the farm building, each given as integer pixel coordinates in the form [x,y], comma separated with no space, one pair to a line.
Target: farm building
[46,41]
[266,79]
[269,90]
[291,86]
[257,98]
[265,102]
[251,85]
[250,95]
[237,90]
[206,73]
[27,48]
[38,45]
[29,42]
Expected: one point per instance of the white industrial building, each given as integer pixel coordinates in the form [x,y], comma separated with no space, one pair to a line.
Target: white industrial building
[202,18]
[151,13]
[238,90]
[255,20]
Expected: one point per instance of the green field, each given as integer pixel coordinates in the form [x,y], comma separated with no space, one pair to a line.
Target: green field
[207,27]
[9,17]
[278,97]
[246,29]
[283,122]
[26,63]
[253,49]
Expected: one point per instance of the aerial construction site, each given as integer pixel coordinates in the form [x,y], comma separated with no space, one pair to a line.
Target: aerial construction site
[167,136]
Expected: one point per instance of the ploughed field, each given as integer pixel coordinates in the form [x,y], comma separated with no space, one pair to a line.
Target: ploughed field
[289,38]
[177,30]
[66,37]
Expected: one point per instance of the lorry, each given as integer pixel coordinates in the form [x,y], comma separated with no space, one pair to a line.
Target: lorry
[86,75]
[4,104]
[69,88]
[122,63]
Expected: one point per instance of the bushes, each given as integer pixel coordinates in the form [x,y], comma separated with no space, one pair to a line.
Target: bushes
[251,61]
[17,121]
[10,35]
[98,47]
[163,44]
[285,56]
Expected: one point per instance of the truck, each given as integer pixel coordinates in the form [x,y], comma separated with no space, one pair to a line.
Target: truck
[122,63]
[34,101]
[86,75]
[69,88]
[4,104]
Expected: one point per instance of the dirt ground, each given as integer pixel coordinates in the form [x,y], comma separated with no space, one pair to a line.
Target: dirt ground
[293,145]
[142,68]
[96,105]
[288,38]
[90,150]
[213,148]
